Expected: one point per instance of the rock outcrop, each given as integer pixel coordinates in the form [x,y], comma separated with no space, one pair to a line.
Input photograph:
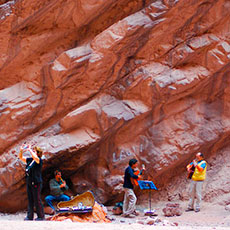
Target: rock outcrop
[95,83]
[172,209]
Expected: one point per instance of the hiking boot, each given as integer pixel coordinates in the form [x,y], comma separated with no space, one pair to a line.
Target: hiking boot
[39,219]
[189,210]
[27,219]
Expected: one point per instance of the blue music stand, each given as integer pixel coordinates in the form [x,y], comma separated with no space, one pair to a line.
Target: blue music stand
[147,185]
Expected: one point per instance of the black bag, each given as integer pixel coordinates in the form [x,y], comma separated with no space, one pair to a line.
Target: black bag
[118,208]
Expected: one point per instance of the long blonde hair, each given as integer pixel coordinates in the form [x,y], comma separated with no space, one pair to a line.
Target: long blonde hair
[39,151]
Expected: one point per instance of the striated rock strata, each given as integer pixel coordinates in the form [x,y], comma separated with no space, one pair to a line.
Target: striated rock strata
[95,83]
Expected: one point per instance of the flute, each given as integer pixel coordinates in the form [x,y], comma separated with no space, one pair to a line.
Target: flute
[62,180]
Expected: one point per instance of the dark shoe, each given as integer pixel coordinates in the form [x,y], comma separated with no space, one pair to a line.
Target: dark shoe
[53,212]
[197,210]
[27,219]
[136,213]
[189,210]
[39,219]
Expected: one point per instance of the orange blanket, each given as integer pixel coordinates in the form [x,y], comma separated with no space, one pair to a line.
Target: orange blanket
[98,215]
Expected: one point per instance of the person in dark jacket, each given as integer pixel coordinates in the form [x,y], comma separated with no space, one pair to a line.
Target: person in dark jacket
[57,188]
[33,180]
[130,197]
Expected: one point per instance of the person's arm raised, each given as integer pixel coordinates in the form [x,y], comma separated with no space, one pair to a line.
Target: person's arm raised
[34,155]
[20,155]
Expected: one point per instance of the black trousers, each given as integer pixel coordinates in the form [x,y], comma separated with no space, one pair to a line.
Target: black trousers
[34,199]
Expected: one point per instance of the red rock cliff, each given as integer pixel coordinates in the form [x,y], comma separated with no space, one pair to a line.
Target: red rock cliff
[95,83]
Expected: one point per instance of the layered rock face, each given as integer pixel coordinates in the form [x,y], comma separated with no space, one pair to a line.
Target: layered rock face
[96,83]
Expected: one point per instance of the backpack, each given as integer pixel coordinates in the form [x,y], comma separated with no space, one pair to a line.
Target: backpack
[117,209]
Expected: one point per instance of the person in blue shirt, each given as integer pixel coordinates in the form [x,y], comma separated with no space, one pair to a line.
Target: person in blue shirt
[130,198]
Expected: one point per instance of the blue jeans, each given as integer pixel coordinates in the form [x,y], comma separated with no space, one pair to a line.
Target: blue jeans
[50,198]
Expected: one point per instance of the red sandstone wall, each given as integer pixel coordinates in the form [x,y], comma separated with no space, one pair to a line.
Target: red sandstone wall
[95,83]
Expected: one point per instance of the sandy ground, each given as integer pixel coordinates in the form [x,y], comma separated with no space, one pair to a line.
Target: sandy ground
[210,217]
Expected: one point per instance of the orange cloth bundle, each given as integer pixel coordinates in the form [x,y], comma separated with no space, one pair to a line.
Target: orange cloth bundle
[98,215]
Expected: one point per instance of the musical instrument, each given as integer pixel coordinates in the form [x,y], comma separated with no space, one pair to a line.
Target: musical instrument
[137,173]
[190,169]
[79,204]
[63,182]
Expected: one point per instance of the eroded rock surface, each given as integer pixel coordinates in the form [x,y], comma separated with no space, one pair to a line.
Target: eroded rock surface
[95,83]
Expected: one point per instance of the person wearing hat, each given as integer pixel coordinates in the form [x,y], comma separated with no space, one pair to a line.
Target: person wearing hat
[33,180]
[198,177]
